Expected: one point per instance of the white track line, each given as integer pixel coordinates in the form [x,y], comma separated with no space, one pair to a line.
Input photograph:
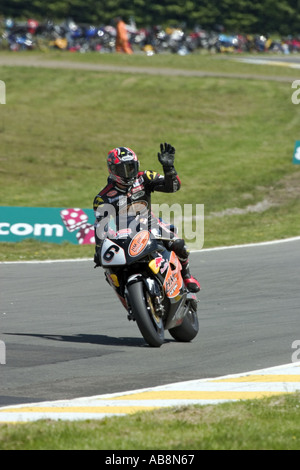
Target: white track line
[203,250]
[249,385]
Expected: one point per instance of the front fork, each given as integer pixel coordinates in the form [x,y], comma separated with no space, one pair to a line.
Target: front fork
[153,296]
[153,302]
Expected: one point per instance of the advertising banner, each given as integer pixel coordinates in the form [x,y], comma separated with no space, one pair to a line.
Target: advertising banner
[296,156]
[53,225]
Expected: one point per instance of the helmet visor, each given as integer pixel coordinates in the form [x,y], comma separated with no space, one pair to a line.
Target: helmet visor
[127,170]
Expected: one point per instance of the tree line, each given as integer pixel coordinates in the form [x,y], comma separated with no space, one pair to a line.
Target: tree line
[239,16]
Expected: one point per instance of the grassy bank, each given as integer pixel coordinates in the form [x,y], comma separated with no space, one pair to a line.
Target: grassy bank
[265,424]
[234,142]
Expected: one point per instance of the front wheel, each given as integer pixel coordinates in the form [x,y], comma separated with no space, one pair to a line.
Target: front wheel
[150,325]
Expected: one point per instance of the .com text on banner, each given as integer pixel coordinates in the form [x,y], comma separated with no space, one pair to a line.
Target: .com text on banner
[53,225]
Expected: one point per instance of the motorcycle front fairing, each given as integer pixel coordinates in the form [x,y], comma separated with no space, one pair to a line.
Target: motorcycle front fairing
[126,255]
[127,251]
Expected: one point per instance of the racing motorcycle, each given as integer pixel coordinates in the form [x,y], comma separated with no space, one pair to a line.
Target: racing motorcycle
[147,279]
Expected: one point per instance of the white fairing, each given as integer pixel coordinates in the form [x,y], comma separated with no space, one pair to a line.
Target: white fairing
[112,254]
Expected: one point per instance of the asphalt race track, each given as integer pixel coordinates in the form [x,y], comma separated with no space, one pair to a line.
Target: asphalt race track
[67,335]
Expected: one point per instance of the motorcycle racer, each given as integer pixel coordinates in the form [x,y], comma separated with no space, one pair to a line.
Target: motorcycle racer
[129,189]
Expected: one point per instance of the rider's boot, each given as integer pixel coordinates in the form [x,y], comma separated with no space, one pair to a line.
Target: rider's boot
[179,247]
[190,282]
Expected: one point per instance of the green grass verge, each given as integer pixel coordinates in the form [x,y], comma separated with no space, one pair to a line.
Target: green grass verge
[234,142]
[264,424]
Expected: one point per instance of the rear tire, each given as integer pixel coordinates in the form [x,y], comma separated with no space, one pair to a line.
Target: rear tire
[188,329]
[150,325]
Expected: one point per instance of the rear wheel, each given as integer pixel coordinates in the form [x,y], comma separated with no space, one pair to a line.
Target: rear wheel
[188,329]
[150,325]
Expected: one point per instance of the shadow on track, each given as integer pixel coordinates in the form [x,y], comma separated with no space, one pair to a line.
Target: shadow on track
[90,339]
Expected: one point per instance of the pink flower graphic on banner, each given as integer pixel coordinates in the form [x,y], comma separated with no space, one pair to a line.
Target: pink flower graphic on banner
[76,219]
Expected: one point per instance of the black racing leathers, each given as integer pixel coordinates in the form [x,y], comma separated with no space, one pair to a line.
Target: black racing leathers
[135,199]
[117,203]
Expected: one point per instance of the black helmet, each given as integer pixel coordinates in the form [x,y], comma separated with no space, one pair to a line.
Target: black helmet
[123,165]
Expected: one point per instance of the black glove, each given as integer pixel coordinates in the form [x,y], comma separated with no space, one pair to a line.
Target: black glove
[167,156]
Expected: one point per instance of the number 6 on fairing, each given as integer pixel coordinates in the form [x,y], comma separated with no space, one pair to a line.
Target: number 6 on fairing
[112,254]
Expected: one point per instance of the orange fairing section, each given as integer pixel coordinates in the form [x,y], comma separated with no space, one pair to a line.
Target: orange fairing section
[173,280]
[139,243]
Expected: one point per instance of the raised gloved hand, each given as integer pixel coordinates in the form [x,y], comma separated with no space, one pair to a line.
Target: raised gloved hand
[167,155]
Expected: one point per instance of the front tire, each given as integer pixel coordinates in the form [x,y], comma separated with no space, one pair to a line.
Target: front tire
[150,325]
